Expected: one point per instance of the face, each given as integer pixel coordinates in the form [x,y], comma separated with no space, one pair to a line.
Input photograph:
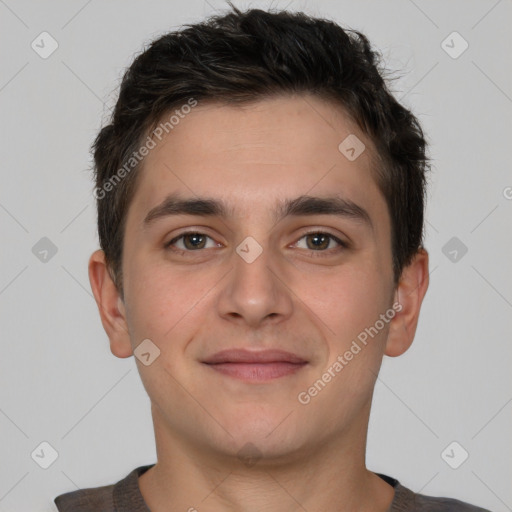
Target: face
[291,252]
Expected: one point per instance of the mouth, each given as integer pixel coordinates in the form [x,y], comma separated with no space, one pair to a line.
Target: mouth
[253,366]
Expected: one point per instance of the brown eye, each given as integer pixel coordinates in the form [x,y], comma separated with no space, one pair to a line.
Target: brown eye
[320,242]
[194,241]
[191,241]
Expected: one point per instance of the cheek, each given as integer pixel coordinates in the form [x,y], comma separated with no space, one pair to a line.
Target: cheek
[347,300]
[166,302]
[156,298]
[352,307]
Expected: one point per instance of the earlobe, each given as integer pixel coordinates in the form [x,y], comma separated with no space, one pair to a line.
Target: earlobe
[409,294]
[110,305]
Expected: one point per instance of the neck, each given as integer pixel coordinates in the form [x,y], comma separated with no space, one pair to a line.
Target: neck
[329,476]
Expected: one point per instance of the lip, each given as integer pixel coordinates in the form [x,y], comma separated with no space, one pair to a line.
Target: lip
[251,366]
[248,356]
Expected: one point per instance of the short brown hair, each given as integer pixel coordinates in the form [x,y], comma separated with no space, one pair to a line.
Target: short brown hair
[242,57]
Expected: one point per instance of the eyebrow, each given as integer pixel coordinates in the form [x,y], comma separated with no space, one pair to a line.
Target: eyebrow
[301,206]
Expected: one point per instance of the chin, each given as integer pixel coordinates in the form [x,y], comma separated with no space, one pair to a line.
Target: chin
[264,438]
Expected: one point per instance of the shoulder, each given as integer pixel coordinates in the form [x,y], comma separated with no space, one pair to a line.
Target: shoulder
[406,500]
[121,496]
[86,500]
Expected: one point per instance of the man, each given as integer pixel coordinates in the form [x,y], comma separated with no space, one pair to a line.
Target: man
[260,204]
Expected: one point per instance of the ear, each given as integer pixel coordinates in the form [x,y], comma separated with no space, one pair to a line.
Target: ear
[409,295]
[110,305]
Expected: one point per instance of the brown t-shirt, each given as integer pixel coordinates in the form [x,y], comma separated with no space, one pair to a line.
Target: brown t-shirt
[125,496]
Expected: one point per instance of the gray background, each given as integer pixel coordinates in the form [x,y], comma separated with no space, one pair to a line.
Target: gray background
[60,383]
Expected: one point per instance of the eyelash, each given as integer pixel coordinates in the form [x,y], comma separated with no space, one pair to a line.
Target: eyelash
[321,253]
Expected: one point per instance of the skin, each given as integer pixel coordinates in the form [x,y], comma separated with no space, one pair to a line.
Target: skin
[313,302]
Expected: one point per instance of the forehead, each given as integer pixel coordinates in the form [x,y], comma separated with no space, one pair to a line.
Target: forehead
[251,154]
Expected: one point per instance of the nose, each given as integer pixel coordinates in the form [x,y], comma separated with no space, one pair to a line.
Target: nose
[255,291]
